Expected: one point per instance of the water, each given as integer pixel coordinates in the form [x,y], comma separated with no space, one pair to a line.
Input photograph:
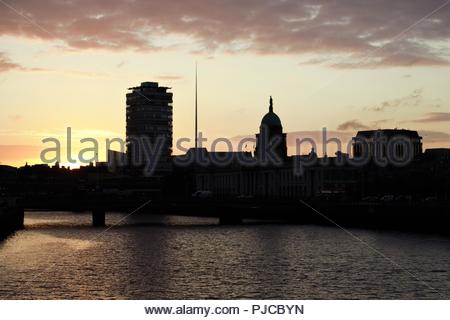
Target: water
[60,256]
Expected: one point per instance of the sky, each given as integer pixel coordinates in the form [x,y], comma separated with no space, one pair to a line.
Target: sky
[345,65]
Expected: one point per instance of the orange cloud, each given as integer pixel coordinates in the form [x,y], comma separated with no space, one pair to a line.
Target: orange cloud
[6,64]
[376,33]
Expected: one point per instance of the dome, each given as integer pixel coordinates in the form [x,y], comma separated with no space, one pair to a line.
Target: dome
[271,120]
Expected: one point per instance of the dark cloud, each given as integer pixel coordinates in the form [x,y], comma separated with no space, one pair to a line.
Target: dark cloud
[371,32]
[352,125]
[355,125]
[434,117]
[435,136]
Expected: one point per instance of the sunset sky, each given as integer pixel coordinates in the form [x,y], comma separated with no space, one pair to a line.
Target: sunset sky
[342,64]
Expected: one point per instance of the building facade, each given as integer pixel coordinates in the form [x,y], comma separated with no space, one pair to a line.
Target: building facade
[149,117]
[394,143]
[261,176]
[342,177]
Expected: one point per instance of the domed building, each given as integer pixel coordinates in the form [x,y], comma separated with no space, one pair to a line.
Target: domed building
[270,133]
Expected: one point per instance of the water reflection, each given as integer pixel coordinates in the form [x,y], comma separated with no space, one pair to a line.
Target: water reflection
[59,255]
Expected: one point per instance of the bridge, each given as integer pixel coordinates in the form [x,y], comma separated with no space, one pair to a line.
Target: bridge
[414,216]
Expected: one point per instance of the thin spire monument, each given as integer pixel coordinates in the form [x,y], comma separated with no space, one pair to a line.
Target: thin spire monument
[196,106]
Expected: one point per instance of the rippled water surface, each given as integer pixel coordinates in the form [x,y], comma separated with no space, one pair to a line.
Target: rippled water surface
[60,256]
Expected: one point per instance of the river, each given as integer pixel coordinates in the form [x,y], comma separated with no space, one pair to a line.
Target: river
[60,256]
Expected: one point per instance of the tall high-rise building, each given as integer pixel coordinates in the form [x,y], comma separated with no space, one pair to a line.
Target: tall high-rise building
[149,118]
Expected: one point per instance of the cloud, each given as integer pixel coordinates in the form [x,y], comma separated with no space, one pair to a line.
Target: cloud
[352,125]
[373,33]
[7,65]
[403,54]
[413,99]
[435,136]
[434,117]
[356,125]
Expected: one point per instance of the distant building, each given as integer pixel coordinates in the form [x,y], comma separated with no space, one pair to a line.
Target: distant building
[6,172]
[380,142]
[337,178]
[149,115]
[271,132]
[438,158]
[116,160]
[442,154]
[243,175]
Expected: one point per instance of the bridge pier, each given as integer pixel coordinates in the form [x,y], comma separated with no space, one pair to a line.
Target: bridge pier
[229,220]
[11,219]
[98,218]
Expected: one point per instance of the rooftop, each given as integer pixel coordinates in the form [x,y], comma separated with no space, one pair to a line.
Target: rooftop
[390,133]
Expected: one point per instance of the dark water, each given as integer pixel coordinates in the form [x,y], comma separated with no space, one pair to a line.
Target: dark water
[59,256]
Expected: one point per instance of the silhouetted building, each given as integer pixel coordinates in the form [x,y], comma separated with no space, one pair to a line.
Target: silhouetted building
[116,160]
[240,181]
[440,155]
[395,142]
[149,116]
[246,176]
[239,174]
[270,133]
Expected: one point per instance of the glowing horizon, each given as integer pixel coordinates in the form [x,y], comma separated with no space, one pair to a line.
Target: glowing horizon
[325,66]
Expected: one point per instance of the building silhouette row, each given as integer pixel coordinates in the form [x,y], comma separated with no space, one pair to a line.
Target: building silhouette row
[242,174]
[247,174]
